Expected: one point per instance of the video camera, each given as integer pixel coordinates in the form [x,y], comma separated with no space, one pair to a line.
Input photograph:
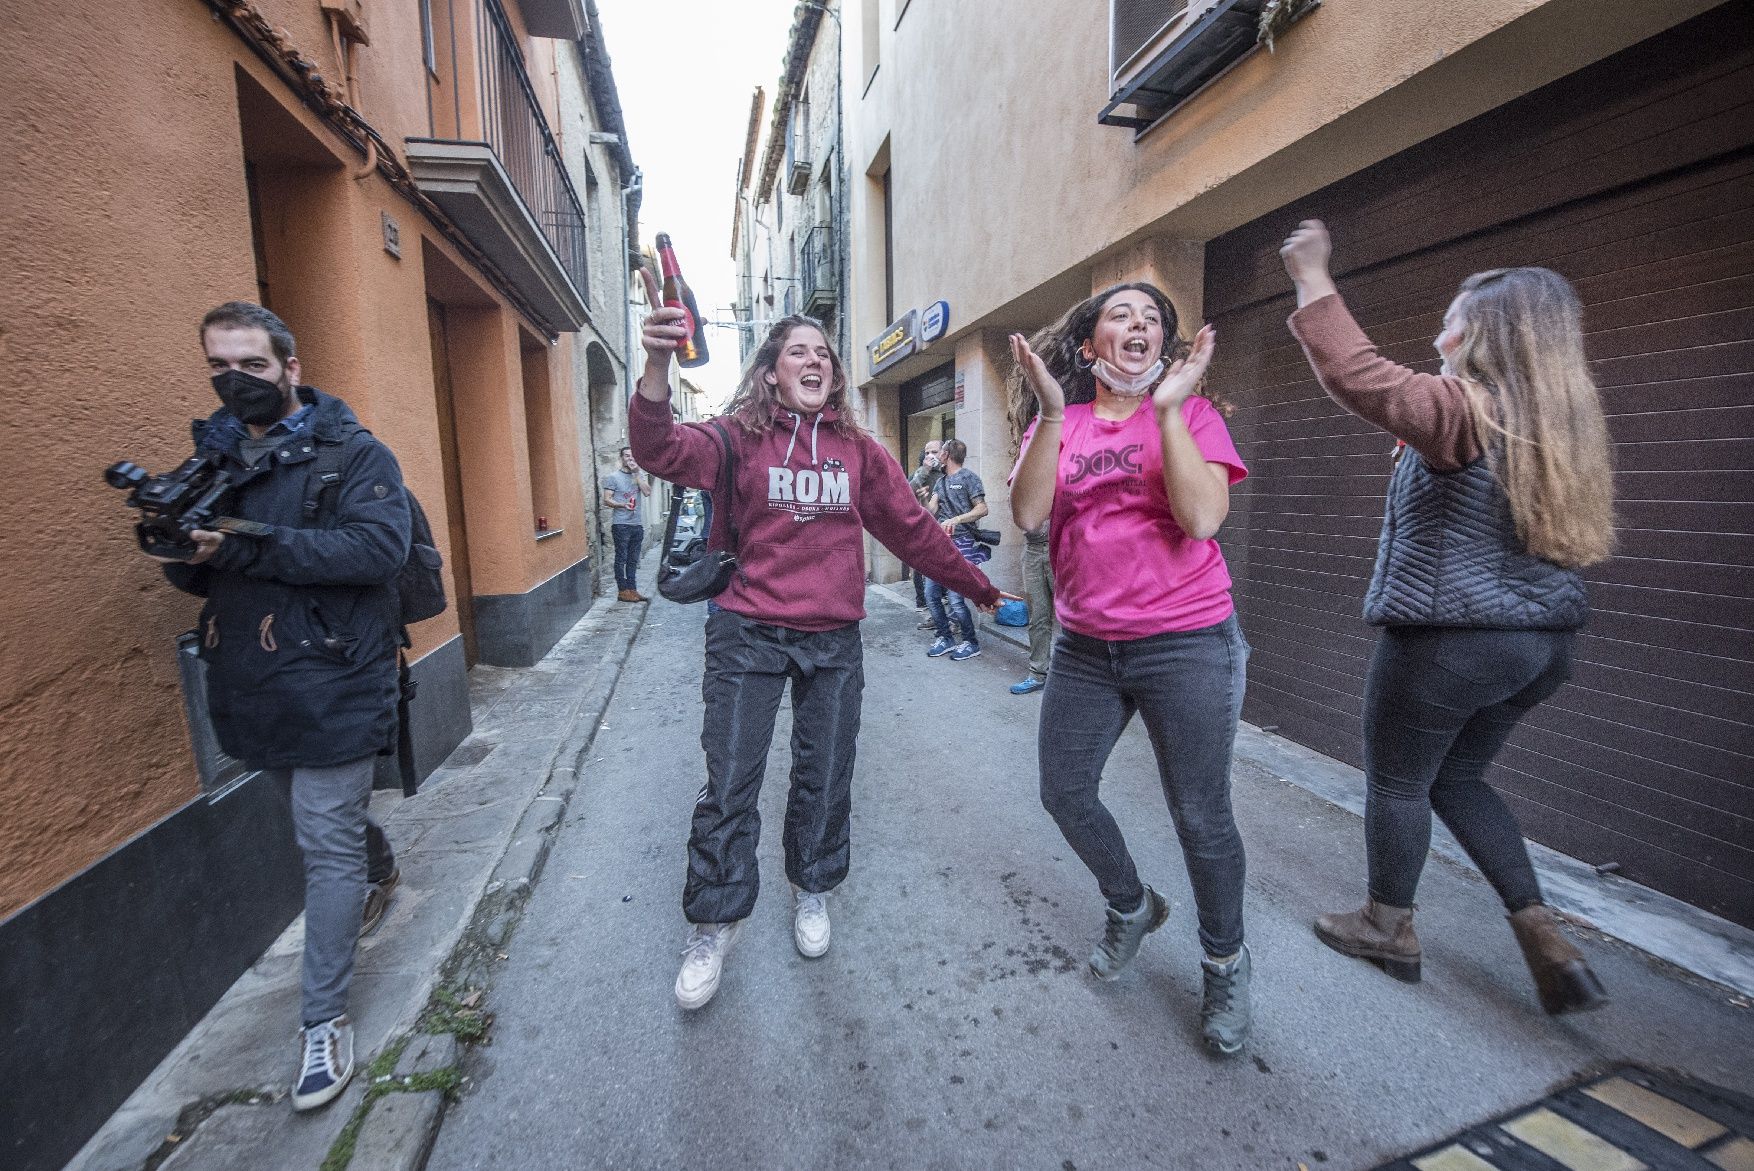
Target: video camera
[176,504]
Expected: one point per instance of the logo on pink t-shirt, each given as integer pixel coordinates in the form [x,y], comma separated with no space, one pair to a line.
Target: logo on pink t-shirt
[1123,568]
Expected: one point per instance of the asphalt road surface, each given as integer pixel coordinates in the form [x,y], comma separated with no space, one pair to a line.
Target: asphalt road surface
[952,1023]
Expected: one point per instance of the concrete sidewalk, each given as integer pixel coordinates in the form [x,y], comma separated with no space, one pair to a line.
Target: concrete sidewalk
[468,846]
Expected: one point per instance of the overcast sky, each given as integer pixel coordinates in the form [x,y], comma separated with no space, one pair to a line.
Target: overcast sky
[685,70]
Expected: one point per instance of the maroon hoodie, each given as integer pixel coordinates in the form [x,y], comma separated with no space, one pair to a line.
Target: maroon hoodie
[804,495]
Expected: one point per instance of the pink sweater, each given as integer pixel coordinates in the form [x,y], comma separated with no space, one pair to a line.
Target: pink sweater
[803,499]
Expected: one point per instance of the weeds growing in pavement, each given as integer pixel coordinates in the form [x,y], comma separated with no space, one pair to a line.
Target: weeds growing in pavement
[447,1012]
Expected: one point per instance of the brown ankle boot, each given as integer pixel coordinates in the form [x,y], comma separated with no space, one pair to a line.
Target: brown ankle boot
[1379,933]
[1562,978]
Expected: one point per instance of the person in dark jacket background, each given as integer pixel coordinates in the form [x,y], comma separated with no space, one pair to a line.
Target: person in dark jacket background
[1501,493]
[808,483]
[299,634]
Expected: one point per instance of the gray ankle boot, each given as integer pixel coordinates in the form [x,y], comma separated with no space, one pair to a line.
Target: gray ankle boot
[1224,1009]
[1124,933]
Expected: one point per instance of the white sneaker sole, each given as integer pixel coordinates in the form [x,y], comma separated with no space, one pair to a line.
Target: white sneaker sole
[700,999]
[703,995]
[321,1097]
[808,949]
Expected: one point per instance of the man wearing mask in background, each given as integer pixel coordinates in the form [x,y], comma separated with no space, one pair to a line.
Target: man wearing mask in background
[924,479]
[299,633]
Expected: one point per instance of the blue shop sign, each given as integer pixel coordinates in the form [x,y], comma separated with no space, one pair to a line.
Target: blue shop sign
[934,322]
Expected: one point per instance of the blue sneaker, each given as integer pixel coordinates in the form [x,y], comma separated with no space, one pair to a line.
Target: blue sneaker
[326,1065]
[940,648]
[964,650]
[1028,686]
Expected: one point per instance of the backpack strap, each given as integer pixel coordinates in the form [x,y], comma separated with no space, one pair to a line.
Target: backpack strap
[323,487]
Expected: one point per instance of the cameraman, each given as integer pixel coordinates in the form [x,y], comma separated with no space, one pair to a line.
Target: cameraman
[299,633]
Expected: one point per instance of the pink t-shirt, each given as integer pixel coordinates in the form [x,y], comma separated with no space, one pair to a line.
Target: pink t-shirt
[1122,567]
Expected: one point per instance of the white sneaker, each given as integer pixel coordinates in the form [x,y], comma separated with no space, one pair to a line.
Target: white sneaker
[703,959]
[810,923]
[327,1063]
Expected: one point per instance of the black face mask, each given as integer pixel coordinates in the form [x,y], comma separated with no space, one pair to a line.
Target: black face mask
[253,400]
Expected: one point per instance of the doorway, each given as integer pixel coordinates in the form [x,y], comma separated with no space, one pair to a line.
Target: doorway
[456,523]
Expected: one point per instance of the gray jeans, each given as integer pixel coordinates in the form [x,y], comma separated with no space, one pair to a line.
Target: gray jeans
[1038,586]
[334,834]
[1188,686]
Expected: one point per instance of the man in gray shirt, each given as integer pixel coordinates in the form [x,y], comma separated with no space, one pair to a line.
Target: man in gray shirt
[621,492]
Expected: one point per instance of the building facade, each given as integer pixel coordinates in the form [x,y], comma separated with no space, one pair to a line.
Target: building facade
[1098,143]
[435,197]
[788,234]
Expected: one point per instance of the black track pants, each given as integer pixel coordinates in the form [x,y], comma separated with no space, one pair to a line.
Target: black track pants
[747,667]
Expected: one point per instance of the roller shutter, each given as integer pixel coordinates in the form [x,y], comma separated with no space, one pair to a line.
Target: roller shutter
[1635,179]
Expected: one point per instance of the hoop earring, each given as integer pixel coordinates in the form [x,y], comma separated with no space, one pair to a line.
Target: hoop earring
[1080,361]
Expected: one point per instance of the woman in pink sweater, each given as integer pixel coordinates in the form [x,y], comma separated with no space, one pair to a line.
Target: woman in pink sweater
[1502,490]
[805,484]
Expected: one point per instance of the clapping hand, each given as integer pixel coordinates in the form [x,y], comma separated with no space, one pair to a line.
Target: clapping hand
[1185,374]
[1050,397]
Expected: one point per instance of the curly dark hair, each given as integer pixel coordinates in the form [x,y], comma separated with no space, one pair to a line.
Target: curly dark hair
[1059,345]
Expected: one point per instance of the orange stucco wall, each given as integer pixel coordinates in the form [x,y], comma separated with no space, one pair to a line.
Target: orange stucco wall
[123,218]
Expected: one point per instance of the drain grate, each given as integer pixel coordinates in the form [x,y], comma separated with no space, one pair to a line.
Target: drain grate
[1633,1119]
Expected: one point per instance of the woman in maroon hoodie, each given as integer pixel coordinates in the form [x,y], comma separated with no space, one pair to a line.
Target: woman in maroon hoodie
[807,483]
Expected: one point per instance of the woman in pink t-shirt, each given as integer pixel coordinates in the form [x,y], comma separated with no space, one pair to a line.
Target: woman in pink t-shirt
[1134,467]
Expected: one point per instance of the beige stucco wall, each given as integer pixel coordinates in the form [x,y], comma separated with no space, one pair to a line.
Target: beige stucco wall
[1011,203]
[1003,181]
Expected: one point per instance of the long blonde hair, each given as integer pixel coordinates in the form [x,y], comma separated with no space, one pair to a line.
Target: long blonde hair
[1521,357]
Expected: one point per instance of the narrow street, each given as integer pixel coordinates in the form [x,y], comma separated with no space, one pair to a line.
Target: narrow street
[952,1023]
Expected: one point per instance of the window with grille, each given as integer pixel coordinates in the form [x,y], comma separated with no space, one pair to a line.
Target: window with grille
[1133,24]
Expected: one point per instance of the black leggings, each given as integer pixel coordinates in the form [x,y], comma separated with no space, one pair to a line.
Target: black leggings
[1439,703]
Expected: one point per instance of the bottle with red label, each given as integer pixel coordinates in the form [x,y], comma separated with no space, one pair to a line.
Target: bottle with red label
[677,295]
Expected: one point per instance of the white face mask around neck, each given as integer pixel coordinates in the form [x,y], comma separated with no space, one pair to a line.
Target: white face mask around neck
[1127,385]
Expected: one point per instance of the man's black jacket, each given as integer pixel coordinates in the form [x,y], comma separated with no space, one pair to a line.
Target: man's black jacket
[300,628]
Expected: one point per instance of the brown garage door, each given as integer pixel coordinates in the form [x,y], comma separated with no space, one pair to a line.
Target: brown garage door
[1634,178]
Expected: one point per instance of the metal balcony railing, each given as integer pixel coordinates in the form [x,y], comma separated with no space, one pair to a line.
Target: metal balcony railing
[518,133]
[821,273]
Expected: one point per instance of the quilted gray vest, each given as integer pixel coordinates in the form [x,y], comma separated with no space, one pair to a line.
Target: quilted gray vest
[1449,556]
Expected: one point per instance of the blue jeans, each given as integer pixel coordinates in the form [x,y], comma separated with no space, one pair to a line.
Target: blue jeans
[627,543]
[1188,685]
[946,607]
